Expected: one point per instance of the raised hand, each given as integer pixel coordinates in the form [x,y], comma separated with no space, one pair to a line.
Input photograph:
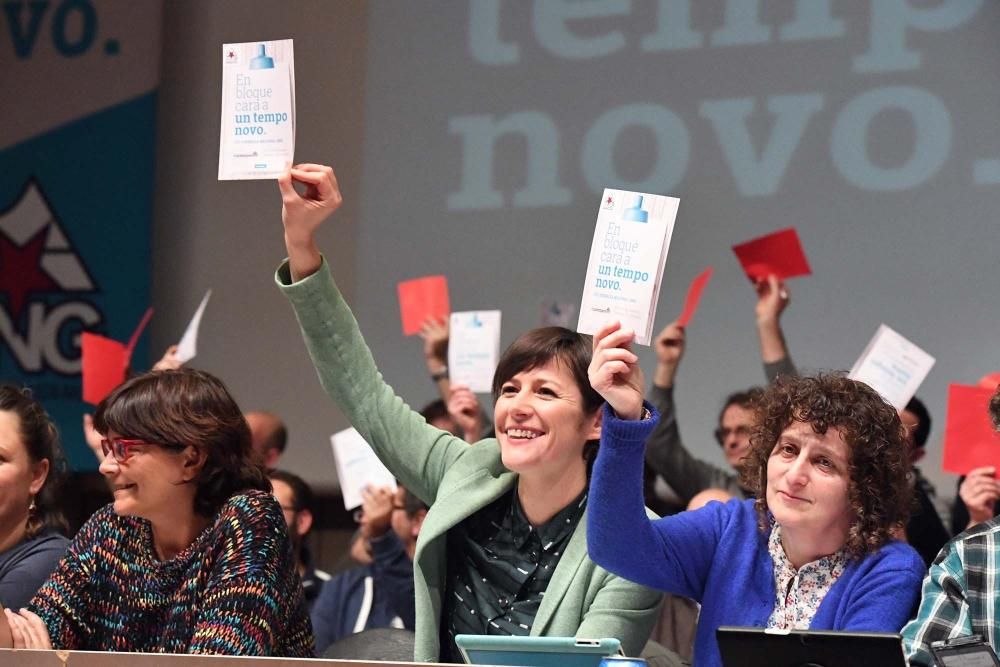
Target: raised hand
[614,371]
[464,408]
[434,332]
[669,346]
[979,491]
[168,361]
[302,214]
[376,511]
[772,298]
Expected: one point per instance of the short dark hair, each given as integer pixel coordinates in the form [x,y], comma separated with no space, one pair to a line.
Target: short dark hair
[41,441]
[744,399]
[436,409]
[302,494]
[412,504]
[540,346]
[878,490]
[188,407]
[923,429]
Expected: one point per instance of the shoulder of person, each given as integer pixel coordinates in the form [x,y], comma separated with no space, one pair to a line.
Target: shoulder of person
[46,542]
[897,555]
[251,504]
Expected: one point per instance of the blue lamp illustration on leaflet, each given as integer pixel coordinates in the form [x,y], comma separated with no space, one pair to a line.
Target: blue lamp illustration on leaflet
[262,60]
[634,211]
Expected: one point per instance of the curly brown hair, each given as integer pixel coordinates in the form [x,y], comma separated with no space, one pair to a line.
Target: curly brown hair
[878,488]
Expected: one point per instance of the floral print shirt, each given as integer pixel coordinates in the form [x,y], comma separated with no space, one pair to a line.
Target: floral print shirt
[798,593]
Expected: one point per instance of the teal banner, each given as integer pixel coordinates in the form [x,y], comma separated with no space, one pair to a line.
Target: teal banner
[76,188]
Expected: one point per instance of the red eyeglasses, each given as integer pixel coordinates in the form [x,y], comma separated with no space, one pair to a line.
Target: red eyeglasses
[121,448]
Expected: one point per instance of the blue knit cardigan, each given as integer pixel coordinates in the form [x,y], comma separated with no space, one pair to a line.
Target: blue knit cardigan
[718,556]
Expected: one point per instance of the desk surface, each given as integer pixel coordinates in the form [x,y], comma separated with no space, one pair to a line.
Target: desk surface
[25,658]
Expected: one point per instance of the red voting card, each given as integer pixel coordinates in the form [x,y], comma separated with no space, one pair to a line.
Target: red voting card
[106,361]
[779,253]
[969,438]
[104,364]
[422,298]
[694,296]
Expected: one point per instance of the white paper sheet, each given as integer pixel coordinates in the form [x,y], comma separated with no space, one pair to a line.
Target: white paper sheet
[187,349]
[257,133]
[474,349]
[892,366]
[630,247]
[357,466]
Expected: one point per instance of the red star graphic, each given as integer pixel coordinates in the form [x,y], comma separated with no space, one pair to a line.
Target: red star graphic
[610,200]
[232,54]
[21,271]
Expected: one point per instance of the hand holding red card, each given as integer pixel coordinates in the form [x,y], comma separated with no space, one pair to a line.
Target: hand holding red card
[694,296]
[105,361]
[970,440]
[421,299]
[779,253]
[990,381]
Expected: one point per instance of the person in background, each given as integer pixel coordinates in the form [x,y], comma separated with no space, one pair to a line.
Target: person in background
[268,437]
[828,466]
[463,406]
[297,502]
[436,414]
[380,594]
[666,454]
[31,471]
[193,555]
[434,332]
[925,530]
[959,595]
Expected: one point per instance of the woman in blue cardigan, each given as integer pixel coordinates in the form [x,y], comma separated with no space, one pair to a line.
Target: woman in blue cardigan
[816,549]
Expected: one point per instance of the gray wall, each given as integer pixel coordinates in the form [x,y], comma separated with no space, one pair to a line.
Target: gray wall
[227,235]
[873,131]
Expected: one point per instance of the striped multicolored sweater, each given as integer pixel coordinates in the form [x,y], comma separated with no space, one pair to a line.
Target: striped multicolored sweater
[234,591]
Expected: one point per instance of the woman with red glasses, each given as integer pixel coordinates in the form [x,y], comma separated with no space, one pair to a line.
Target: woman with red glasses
[193,556]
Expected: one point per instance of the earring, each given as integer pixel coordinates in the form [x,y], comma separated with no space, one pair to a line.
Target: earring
[32,507]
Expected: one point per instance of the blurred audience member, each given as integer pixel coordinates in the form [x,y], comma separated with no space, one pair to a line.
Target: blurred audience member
[269,436]
[379,594]
[297,503]
[31,470]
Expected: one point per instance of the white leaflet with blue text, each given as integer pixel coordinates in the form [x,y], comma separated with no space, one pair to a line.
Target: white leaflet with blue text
[630,247]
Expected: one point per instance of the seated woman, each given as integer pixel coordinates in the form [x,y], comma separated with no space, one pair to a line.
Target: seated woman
[503,548]
[31,469]
[193,556]
[828,464]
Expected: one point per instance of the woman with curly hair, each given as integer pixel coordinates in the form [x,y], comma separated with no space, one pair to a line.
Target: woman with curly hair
[193,556]
[828,464]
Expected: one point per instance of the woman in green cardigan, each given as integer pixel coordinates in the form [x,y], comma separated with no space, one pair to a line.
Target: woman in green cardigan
[503,548]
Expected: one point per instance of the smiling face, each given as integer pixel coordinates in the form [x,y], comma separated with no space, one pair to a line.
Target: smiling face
[151,483]
[20,477]
[807,484]
[541,424]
